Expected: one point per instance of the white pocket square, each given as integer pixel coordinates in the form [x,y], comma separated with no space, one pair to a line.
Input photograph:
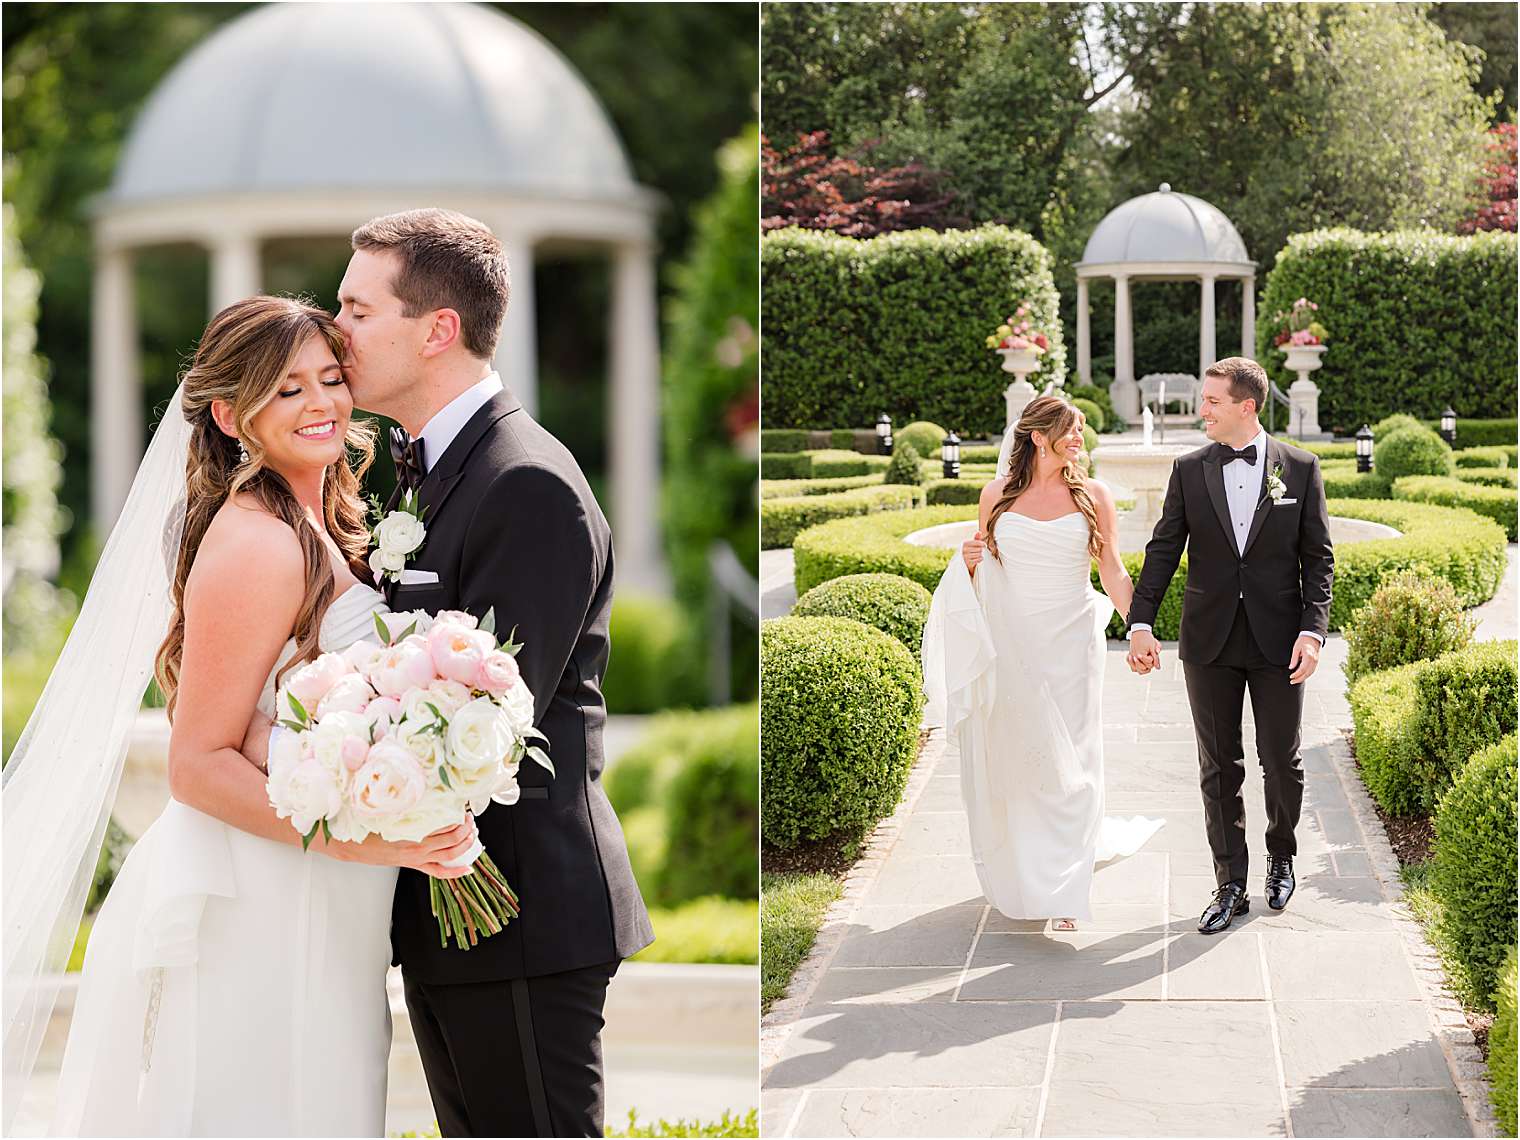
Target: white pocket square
[1280,503]
[417,577]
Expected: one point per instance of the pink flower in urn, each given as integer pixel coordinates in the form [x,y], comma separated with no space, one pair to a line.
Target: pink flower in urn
[458,652]
[498,673]
[1023,310]
[1041,340]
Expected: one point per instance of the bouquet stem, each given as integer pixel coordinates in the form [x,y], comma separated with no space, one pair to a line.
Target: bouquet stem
[474,906]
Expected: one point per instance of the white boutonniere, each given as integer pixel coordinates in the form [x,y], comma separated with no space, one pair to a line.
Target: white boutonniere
[1275,486]
[396,537]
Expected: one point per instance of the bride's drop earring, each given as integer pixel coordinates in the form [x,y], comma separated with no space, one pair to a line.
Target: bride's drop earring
[1042,453]
[242,452]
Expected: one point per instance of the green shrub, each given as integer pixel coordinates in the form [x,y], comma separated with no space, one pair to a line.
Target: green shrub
[1466,702]
[1099,396]
[1502,1058]
[646,832]
[1412,451]
[1497,503]
[1468,551]
[1392,347]
[905,466]
[898,323]
[979,453]
[868,546]
[1384,707]
[774,441]
[781,520]
[1412,616]
[1473,873]
[1089,439]
[708,929]
[785,465]
[1396,422]
[840,703]
[791,488]
[831,464]
[1483,457]
[889,602]
[714,812]
[925,437]
[842,438]
[1486,433]
[1342,481]
[947,492]
[1327,450]
[1490,476]
[652,664]
[1091,411]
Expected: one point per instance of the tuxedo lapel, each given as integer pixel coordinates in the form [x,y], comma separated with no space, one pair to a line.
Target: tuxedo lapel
[1264,504]
[445,475]
[1213,478]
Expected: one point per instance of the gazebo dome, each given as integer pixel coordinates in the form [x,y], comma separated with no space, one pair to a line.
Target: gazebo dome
[294,97]
[1165,227]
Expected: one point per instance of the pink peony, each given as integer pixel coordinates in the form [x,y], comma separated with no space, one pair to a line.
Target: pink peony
[382,713]
[400,668]
[309,683]
[498,673]
[389,783]
[351,693]
[458,652]
[355,752]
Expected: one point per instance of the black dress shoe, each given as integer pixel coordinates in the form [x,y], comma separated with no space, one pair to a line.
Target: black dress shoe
[1229,900]
[1280,881]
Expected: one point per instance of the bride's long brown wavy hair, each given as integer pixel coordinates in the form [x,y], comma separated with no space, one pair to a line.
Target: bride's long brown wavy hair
[243,358]
[1052,417]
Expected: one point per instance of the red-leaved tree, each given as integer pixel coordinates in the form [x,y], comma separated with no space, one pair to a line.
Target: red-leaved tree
[807,186]
[1498,183]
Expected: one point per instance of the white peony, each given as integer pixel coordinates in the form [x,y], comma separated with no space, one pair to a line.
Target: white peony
[480,736]
[328,740]
[400,533]
[286,747]
[456,617]
[396,623]
[390,783]
[433,812]
[306,792]
[362,654]
[350,694]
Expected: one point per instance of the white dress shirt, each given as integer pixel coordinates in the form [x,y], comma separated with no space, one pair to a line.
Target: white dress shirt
[1243,483]
[449,420]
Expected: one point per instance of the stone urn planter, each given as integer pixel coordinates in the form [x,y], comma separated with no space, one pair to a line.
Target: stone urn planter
[1021,362]
[1303,393]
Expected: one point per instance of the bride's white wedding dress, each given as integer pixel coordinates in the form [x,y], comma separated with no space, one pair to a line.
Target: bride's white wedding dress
[1013,667]
[235,986]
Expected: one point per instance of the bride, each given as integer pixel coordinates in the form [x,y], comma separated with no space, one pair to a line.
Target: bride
[234,984]
[1014,652]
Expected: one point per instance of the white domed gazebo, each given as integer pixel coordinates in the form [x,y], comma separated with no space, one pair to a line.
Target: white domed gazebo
[306,120]
[1163,236]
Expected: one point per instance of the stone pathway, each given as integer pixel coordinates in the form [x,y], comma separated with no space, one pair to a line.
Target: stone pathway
[923,1012]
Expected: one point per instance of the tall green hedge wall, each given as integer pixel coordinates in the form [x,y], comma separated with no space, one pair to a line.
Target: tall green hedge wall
[898,324]
[1416,321]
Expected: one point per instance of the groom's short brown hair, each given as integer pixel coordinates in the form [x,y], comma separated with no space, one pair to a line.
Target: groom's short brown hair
[1248,380]
[448,261]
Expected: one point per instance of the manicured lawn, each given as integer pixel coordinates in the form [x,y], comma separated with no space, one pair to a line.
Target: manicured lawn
[792,906]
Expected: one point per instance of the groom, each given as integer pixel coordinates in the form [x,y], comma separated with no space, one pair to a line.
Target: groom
[509,1031]
[1251,511]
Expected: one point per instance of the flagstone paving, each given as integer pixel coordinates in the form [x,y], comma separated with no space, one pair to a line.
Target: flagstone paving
[924,1012]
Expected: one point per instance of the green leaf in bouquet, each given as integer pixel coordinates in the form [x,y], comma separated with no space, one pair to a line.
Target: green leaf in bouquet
[443,774]
[511,645]
[294,727]
[531,733]
[326,831]
[407,632]
[488,623]
[301,712]
[385,634]
[310,835]
[436,711]
[542,757]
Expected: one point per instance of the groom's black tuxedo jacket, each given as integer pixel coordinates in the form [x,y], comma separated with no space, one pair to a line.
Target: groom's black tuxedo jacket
[1283,575]
[513,526]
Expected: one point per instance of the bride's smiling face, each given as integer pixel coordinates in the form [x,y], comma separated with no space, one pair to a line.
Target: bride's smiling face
[303,426]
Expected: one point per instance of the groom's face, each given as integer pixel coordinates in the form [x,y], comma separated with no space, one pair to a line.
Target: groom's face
[384,345]
[1225,418]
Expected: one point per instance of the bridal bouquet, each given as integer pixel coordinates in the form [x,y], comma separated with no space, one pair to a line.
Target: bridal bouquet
[398,737]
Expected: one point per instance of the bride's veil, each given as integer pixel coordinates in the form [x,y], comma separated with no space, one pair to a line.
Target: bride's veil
[61,779]
[1005,453]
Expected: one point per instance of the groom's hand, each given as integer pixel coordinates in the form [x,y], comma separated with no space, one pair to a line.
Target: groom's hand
[1144,651]
[1304,661]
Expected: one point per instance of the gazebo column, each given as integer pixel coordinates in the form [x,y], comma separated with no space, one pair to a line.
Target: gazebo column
[635,423]
[517,350]
[1084,333]
[236,273]
[1248,318]
[1125,391]
[116,415]
[1206,351]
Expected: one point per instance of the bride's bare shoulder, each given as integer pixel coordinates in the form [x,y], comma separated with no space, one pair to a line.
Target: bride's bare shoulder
[994,490]
[248,551]
[1100,492]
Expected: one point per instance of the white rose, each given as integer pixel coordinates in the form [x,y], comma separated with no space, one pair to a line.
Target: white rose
[506,791]
[400,533]
[449,696]
[480,736]
[416,738]
[305,793]
[518,703]
[435,811]
[381,563]
[350,694]
[477,787]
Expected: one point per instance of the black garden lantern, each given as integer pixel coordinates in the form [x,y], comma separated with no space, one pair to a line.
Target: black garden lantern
[883,434]
[1364,450]
[950,455]
[1449,426]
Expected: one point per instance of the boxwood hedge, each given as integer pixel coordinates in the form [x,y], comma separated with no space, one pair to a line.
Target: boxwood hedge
[1473,874]
[893,604]
[1485,457]
[1502,1059]
[1486,433]
[1412,451]
[775,440]
[1383,710]
[781,520]
[1497,503]
[785,465]
[840,703]
[831,463]
[898,323]
[1490,476]
[954,492]
[1389,346]
[790,488]
[1466,702]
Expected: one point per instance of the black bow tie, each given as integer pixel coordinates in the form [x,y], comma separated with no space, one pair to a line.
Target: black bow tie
[1227,453]
[410,462]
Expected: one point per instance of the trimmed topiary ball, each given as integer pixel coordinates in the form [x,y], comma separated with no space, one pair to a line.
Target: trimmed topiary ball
[1396,422]
[1473,873]
[1091,410]
[1501,1047]
[1412,616]
[840,704]
[1466,703]
[1412,451]
[889,602]
[925,437]
[905,466]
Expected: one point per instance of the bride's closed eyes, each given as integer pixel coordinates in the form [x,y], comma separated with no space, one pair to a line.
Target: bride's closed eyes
[334,382]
